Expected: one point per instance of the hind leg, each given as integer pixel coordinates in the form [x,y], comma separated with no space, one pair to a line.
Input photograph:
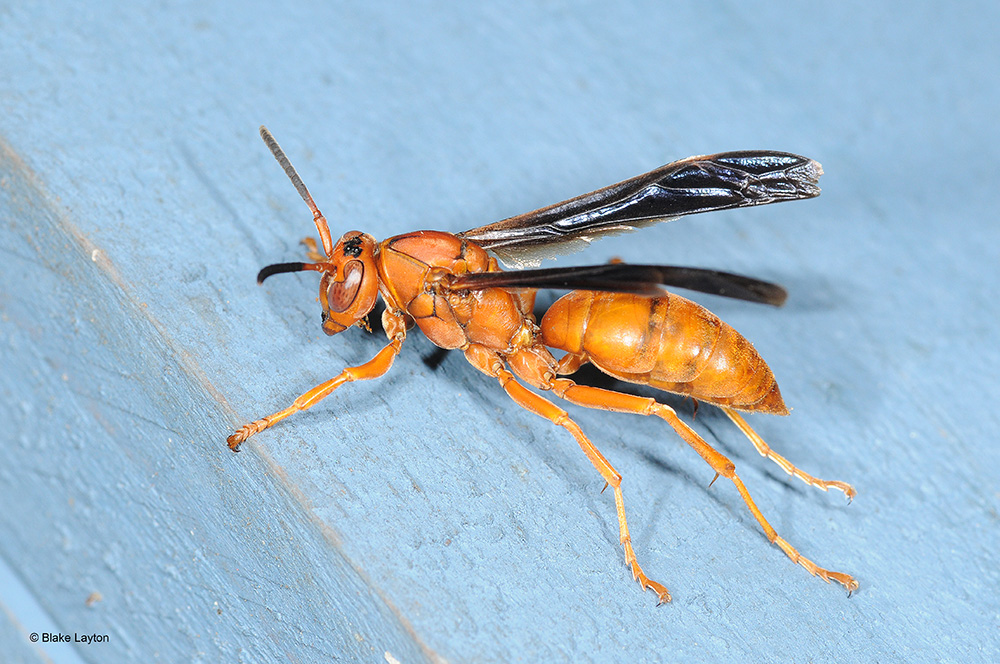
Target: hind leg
[786,465]
[572,362]
[592,397]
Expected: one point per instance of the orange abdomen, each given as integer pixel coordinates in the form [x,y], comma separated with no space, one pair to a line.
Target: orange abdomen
[668,342]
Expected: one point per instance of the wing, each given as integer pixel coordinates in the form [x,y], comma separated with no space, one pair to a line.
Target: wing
[696,184]
[625,278]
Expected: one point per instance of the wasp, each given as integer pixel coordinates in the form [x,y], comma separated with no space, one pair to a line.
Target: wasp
[616,316]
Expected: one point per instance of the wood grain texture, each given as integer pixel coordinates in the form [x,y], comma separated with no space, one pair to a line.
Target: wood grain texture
[424,515]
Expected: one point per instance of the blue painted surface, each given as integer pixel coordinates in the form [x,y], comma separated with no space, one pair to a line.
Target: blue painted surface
[425,515]
[21,616]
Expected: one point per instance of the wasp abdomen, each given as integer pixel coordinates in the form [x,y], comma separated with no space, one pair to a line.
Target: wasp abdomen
[667,342]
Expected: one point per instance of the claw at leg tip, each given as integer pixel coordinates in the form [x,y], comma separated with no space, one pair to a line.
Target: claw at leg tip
[234,442]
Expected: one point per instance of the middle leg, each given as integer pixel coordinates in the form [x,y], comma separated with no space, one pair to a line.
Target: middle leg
[491,364]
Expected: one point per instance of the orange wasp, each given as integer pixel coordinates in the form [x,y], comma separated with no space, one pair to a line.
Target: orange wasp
[617,316]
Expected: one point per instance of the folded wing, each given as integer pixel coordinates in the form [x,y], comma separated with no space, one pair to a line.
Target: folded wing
[689,186]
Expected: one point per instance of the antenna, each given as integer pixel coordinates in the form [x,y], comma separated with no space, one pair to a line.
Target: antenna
[318,218]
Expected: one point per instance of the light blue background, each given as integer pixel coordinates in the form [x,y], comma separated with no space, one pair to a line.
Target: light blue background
[425,515]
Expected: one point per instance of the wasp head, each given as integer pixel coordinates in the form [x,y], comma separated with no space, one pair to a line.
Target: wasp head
[349,286]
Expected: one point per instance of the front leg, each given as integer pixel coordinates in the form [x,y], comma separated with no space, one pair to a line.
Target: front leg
[312,251]
[395,327]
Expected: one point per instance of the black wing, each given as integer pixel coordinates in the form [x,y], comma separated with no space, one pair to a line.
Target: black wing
[696,184]
[625,278]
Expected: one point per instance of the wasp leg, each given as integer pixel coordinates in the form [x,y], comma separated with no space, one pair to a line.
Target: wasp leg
[786,465]
[570,364]
[593,397]
[375,367]
[312,251]
[491,364]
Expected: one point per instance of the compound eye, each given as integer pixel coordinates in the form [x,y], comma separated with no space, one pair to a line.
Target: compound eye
[340,295]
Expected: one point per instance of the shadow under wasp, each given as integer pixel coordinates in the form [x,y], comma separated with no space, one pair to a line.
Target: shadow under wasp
[617,316]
